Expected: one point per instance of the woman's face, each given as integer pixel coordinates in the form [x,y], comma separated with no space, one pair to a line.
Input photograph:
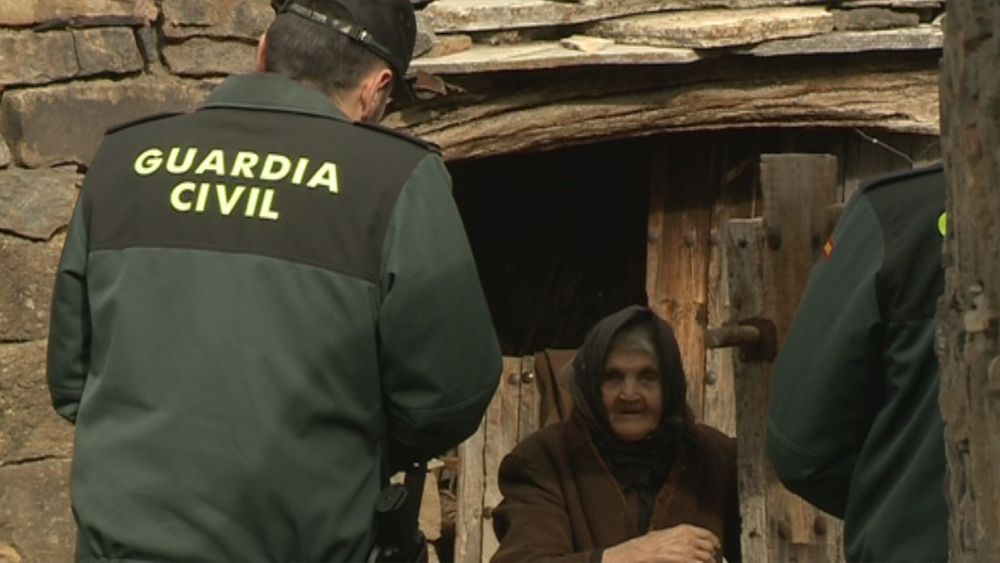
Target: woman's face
[631,392]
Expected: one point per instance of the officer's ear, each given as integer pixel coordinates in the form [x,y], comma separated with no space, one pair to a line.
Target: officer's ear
[262,54]
[374,92]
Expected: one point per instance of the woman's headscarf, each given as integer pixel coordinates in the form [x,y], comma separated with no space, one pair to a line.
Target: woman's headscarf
[629,460]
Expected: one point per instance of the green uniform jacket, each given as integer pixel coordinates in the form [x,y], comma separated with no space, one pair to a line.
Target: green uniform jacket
[261,307]
[854,425]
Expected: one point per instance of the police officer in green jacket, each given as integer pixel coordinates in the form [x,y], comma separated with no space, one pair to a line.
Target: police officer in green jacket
[854,425]
[266,306]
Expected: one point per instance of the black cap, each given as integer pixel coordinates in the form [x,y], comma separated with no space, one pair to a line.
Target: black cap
[387,28]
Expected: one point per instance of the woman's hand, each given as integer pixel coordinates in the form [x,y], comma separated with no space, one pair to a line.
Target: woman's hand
[680,544]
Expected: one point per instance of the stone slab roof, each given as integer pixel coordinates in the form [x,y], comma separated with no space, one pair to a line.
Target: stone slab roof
[479,36]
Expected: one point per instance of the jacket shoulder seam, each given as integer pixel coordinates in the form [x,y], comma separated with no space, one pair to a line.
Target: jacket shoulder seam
[141,120]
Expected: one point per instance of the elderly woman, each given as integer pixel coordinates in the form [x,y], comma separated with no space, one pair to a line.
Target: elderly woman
[629,476]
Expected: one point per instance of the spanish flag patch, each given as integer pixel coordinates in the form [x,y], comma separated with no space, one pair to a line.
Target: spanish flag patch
[828,248]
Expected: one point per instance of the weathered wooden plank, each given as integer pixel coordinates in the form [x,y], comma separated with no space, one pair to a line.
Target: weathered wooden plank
[720,392]
[684,195]
[484,15]
[501,436]
[922,37]
[530,400]
[658,175]
[547,54]
[577,106]
[707,29]
[471,488]
[430,507]
[736,180]
[745,250]
[797,190]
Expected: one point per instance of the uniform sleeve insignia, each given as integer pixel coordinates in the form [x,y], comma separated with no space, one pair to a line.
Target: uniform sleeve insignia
[828,248]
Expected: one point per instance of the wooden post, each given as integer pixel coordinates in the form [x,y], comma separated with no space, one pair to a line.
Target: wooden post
[471,483]
[680,224]
[969,312]
[501,436]
[745,256]
[511,416]
[737,180]
[530,399]
[769,263]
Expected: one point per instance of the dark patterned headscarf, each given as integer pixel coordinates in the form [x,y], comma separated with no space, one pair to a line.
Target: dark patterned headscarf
[648,459]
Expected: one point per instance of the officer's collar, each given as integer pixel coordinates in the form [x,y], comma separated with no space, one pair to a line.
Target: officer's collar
[264,91]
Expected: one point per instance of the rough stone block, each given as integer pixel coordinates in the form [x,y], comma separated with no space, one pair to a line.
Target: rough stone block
[30,427]
[8,554]
[29,12]
[5,158]
[707,29]
[65,123]
[36,203]
[108,50]
[449,45]
[149,44]
[586,44]
[36,524]
[205,57]
[447,16]
[425,36]
[29,58]
[865,19]
[924,37]
[241,19]
[894,4]
[29,270]
[36,58]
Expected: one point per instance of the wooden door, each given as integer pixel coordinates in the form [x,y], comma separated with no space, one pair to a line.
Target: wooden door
[512,415]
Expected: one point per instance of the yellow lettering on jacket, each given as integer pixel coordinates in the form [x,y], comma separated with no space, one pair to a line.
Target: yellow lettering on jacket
[245,162]
[215,161]
[173,167]
[178,192]
[255,202]
[276,167]
[227,199]
[148,162]
[326,176]
[203,186]
[266,208]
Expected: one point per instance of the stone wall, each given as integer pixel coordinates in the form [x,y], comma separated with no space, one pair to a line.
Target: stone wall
[69,69]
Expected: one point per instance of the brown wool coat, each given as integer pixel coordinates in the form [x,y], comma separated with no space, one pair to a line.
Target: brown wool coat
[560,502]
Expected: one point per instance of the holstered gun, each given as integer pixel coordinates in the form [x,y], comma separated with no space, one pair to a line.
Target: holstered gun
[398,538]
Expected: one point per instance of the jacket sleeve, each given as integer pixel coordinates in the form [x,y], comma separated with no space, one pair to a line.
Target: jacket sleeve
[826,385]
[531,523]
[439,358]
[68,353]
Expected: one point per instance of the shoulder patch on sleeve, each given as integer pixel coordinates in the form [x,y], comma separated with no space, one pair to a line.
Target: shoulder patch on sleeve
[898,177]
[144,119]
[433,147]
